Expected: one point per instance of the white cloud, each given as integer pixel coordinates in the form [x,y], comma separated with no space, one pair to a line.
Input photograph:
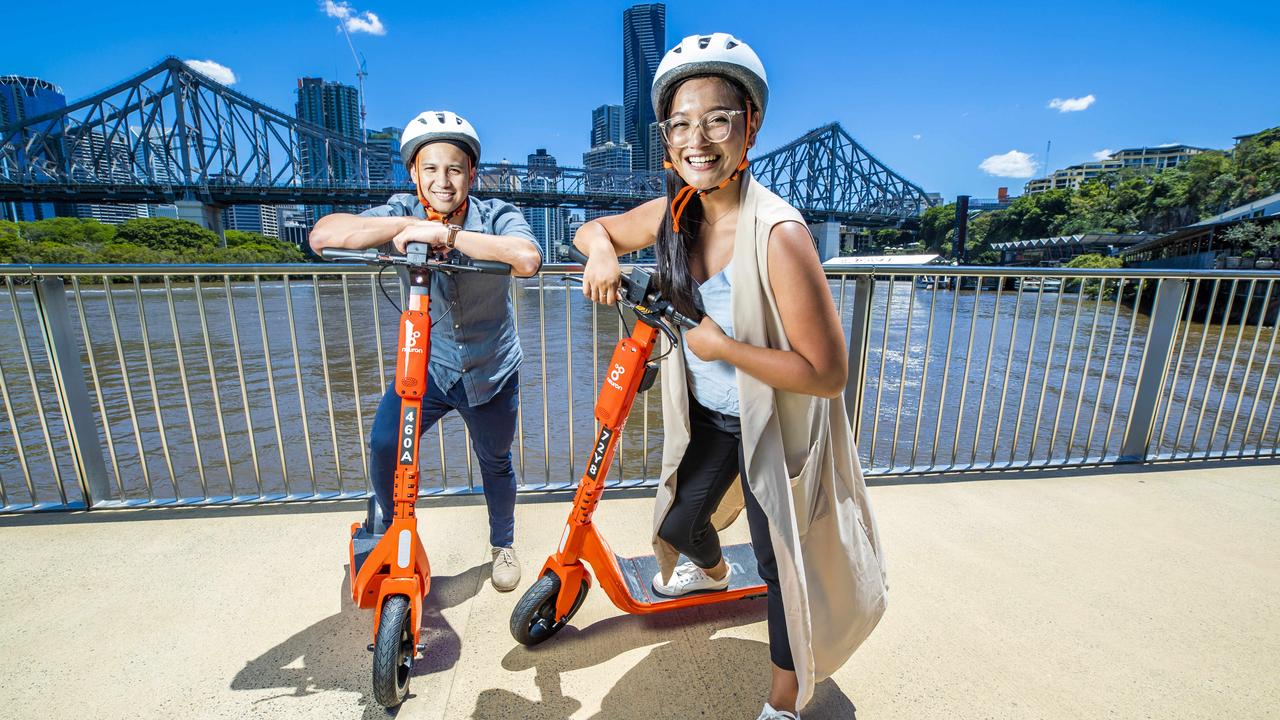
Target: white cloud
[218,72]
[354,20]
[1072,104]
[1014,164]
[1103,154]
[916,136]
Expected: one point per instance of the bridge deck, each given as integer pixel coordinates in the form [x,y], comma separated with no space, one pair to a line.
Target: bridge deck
[1145,594]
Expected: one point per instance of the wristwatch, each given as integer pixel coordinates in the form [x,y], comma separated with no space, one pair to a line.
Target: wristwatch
[453,235]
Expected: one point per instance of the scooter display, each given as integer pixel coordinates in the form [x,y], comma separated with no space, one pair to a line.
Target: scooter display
[563,582]
[389,568]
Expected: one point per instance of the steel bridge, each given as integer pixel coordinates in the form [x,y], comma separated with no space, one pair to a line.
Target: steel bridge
[171,133]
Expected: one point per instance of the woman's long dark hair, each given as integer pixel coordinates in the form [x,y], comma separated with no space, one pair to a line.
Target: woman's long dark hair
[672,249]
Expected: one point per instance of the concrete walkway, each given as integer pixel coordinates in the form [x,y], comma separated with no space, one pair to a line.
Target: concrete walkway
[1139,595]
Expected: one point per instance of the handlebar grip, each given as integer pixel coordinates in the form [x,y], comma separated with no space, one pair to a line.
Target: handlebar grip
[574,254]
[344,254]
[685,322]
[492,267]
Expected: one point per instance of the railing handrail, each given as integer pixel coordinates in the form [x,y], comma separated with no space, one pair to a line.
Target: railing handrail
[337,268]
[1160,355]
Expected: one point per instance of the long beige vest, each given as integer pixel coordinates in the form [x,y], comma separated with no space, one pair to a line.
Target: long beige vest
[802,466]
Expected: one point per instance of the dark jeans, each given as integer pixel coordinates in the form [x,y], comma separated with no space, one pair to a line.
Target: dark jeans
[492,426]
[711,461]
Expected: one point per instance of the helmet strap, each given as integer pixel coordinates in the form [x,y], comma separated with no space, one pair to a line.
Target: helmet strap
[437,216]
[686,193]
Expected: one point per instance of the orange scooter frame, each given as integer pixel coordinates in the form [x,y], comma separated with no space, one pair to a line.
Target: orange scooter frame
[397,564]
[390,572]
[564,578]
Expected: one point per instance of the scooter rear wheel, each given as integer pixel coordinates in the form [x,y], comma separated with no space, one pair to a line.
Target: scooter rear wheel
[393,652]
[534,618]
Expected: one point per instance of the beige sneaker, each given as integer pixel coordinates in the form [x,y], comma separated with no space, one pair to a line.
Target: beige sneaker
[506,570]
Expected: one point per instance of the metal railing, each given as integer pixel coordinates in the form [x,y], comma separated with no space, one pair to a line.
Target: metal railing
[147,385]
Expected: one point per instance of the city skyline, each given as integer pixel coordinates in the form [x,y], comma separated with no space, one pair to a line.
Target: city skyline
[933,123]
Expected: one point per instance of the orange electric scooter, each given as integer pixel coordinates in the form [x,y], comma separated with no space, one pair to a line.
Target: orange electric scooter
[389,570]
[563,582]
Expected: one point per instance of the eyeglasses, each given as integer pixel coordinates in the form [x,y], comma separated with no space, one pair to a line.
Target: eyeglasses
[715,125]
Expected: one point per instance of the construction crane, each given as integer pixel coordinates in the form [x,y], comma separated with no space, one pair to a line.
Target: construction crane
[362,72]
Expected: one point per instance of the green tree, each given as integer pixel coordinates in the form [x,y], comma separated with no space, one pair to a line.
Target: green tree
[68,231]
[1096,261]
[12,246]
[1257,167]
[1030,216]
[167,234]
[935,224]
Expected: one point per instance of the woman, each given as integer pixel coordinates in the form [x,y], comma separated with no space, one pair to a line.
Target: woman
[756,392]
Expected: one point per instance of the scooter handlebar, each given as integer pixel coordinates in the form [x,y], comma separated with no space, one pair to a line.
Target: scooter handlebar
[330,253]
[492,267]
[685,322]
[574,254]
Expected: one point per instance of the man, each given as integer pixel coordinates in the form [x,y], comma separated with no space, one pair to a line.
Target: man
[475,352]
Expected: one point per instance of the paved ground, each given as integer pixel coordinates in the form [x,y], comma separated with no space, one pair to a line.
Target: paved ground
[1138,595]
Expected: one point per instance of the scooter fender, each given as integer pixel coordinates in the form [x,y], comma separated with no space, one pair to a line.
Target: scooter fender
[571,578]
[410,587]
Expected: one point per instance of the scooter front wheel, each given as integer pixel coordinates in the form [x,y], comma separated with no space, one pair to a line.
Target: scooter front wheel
[393,652]
[534,618]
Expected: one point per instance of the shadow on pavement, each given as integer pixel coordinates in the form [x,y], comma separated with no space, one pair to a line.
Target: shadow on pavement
[665,684]
[331,654]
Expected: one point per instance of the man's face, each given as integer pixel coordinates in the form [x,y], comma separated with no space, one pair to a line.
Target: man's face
[443,172]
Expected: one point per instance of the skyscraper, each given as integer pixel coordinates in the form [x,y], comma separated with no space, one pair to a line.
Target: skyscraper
[542,162]
[606,125]
[334,107]
[547,223]
[98,160]
[385,167]
[644,38]
[602,164]
[261,219]
[609,157]
[657,151]
[22,98]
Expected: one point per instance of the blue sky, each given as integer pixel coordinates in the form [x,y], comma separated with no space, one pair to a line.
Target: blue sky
[931,89]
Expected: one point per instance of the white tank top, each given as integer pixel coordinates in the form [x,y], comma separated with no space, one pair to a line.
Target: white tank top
[715,384]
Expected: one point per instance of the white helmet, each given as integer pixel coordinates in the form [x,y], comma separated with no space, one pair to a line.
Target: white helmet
[714,54]
[435,126]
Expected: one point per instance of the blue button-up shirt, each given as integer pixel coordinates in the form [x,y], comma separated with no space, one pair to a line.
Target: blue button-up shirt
[473,333]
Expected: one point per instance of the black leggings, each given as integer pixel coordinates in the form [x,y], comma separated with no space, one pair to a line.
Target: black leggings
[714,457]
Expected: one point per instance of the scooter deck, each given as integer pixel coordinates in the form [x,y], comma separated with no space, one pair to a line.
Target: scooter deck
[362,543]
[639,571]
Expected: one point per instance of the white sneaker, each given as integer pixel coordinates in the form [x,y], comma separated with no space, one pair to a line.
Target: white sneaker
[688,578]
[768,713]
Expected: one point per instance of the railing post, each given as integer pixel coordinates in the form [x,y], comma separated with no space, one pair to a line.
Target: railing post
[1170,296]
[73,393]
[859,337]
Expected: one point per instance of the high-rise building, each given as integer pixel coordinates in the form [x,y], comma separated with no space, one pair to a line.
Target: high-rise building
[293,225]
[602,162]
[542,162]
[644,38]
[385,167]
[657,150]
[334,107]
[95,161]
[608,156]
[547,223]
[606,125]
[22,98]
[261,219]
